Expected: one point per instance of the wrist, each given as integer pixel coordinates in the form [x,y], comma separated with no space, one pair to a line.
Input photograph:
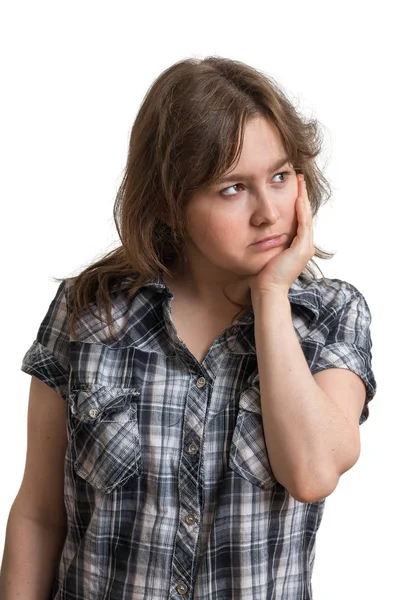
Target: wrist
[269,296]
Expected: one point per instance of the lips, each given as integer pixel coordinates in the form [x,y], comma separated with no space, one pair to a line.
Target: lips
[267,239]
[272,241]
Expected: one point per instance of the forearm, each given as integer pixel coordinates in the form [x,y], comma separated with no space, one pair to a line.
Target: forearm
[31,554]
[307,436]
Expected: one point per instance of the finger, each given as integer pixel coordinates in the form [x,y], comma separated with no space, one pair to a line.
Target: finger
[303,193]
[308,219]
[304,214]
[304,203]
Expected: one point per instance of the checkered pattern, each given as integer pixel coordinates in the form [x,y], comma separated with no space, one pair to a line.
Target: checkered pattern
[168,487]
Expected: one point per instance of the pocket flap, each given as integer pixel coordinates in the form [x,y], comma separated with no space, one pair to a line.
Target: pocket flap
[90,403]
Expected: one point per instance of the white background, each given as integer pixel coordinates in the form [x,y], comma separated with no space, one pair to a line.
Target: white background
[73,77]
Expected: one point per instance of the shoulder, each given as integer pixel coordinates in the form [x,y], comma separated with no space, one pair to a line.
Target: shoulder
[121,304]
[328,304]
[332,294]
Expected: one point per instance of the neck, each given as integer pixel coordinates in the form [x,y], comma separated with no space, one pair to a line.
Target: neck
[210,287]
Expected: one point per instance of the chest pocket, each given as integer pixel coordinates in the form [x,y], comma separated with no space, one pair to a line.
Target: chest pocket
[248,453]
[104,435]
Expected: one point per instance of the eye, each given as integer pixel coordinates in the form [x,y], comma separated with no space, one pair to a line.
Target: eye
[224,192]
[284,174]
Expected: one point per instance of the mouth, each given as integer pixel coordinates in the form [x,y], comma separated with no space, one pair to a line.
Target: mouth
[268,238]
[272,241]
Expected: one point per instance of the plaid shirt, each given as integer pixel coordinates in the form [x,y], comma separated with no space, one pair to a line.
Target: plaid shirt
[169,491]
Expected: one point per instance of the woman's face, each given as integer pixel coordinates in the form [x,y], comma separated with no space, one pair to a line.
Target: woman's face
[254,200]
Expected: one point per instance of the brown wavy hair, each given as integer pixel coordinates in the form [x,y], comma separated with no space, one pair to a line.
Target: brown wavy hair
[187,133]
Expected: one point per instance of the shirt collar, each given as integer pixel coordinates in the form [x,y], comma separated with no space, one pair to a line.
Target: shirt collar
[304,292]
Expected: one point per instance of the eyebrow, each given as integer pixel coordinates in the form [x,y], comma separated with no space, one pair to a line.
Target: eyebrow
[241,176]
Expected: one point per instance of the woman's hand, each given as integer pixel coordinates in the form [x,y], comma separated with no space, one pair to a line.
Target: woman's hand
[280,272]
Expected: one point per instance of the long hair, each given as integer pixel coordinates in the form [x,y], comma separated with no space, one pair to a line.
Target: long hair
[187,133]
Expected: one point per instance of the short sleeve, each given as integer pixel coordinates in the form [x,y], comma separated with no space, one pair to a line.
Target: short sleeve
[48,357]
[348,345]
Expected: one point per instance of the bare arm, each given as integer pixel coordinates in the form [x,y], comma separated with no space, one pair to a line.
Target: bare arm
[36,525]
[311,439]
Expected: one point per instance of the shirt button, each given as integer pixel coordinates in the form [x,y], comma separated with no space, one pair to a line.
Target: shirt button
[190,519]
[201,382]
[94,412]
[192,449]
[182,589]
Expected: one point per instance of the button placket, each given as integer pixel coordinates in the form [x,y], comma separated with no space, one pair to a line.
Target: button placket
[190,484]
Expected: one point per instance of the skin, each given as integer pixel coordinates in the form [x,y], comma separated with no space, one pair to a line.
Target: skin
[225,219]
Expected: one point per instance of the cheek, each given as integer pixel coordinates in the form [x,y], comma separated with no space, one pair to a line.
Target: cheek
[198,214]
[223,235]
[215,225]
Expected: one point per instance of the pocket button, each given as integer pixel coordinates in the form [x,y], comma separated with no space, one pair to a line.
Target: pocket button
[93,413]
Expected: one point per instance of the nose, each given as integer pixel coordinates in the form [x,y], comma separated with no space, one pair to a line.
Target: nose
[265,210]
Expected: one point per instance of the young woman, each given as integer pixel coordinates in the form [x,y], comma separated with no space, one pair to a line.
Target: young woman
[197,393]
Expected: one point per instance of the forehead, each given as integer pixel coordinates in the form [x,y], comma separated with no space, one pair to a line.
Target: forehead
[262,151]
[262,140]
